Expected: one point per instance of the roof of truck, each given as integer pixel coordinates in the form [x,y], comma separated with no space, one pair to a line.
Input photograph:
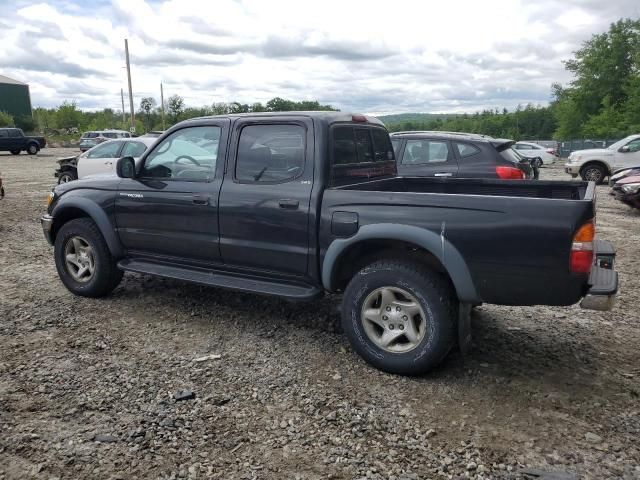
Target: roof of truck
[328,116]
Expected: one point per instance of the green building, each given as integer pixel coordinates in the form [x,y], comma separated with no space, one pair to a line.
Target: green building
[14,98]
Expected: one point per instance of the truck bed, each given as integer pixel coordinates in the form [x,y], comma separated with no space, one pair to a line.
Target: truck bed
[472,186]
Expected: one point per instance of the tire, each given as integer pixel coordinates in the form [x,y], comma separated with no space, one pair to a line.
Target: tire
[426,289]
[32,149]
[593,173]
[15,152]
[72,239]
[67,176]
[537,162]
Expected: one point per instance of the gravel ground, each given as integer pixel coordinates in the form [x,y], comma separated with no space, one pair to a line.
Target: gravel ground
[88,387]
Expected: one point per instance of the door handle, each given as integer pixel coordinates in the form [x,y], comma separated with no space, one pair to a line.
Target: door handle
[108,163]
[201,199]
[289,203]
[448,174]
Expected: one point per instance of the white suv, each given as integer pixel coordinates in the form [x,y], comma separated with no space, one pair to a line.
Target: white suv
[598,163]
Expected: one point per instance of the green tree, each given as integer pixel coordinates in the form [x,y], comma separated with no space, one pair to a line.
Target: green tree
[175,105]
[68,115]
[6,120]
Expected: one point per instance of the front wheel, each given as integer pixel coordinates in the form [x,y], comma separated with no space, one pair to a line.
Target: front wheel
[83,259]
[32,149]
[593,173]
[399,317]
[67,176]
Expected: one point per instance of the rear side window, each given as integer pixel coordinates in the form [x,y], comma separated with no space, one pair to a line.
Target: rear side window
[270,153]
[425,151]
[14,133]
[466,149]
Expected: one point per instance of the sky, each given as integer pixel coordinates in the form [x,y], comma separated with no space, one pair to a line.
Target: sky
[366,56]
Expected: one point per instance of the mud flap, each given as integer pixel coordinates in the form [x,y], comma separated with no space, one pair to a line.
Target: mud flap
[464,327]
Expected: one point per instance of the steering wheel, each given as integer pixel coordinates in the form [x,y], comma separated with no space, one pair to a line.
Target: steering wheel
[186,157]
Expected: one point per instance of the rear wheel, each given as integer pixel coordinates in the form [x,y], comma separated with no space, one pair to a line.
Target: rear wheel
[399,317]
[15,152]
[32,149]
[67,176]
[83,259]
[593,173]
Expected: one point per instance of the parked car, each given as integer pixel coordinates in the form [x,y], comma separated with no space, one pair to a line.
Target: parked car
[297,204]
[92,138]
[540,155]
[598,163]
[101,158]
[627,190]
[437,154]
[15,141]
[622,173]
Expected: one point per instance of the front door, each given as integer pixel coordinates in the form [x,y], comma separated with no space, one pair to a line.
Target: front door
[170,210]
[264,200]
[100,159]
[630,157]
[428,158]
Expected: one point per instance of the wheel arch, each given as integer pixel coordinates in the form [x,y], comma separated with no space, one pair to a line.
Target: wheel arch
[77,207]
[346,256]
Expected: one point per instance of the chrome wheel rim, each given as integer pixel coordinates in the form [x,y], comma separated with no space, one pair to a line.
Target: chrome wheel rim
[592,174]
[393,319]
[65,178]
[79,259]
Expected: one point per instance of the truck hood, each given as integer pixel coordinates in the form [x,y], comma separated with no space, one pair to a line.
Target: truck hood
[62,160]
[594,152]
[94,182]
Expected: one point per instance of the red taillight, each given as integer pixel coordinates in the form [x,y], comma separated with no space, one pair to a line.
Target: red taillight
[509,173]
[358,118]
[581,258]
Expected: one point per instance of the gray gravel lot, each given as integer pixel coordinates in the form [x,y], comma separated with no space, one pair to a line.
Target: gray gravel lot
[87,386]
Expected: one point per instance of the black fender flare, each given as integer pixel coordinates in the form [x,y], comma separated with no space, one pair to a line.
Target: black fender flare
[435,244]
[97,214]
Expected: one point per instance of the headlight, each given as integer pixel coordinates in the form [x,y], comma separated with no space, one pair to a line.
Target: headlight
[50,198]
[631,187]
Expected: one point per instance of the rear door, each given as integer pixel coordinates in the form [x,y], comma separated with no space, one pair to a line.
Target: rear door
[264,200]
[428,158]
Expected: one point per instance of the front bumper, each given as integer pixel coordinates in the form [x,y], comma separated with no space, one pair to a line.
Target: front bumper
[572,169]
[603,279]
[47,226]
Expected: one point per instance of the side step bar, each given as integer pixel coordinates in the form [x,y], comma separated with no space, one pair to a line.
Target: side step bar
[288,291]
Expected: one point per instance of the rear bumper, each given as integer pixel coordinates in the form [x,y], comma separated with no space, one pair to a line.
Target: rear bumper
[46,221]
[603,279]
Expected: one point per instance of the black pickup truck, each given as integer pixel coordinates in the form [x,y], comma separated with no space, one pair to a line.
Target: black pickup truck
[299,204]
[15,141]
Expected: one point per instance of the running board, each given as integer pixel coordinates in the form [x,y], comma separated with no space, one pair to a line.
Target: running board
[242,283]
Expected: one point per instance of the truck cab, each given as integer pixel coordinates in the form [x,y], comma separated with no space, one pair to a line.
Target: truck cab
[598,163]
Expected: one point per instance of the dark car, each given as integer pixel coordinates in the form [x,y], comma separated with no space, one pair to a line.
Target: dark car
[296,204]
[448,154]
[15,141]
[627,190]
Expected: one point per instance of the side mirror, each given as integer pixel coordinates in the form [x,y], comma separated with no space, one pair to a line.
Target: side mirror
[624,149]
[126,167]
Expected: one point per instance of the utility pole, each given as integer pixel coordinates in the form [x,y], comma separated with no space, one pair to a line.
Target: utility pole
[162,104]
[126,52]
[122,96]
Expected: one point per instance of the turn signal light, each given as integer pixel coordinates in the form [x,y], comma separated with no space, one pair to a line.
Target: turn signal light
[581,258]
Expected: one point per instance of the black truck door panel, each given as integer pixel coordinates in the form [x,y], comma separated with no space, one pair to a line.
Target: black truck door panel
[264,200]
[170,209]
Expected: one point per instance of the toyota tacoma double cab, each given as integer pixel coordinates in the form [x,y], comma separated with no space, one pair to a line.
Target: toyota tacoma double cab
[15,141]
[297,205]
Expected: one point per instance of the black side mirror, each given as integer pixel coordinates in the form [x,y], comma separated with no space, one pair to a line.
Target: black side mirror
[624,149]
[126,167]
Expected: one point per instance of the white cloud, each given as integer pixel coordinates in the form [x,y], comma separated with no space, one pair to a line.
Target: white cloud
[360,55]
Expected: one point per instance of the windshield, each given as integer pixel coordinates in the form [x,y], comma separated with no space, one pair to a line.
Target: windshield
[620,143]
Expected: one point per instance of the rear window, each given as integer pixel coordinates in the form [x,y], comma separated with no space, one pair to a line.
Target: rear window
[360,152]
[511,155]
